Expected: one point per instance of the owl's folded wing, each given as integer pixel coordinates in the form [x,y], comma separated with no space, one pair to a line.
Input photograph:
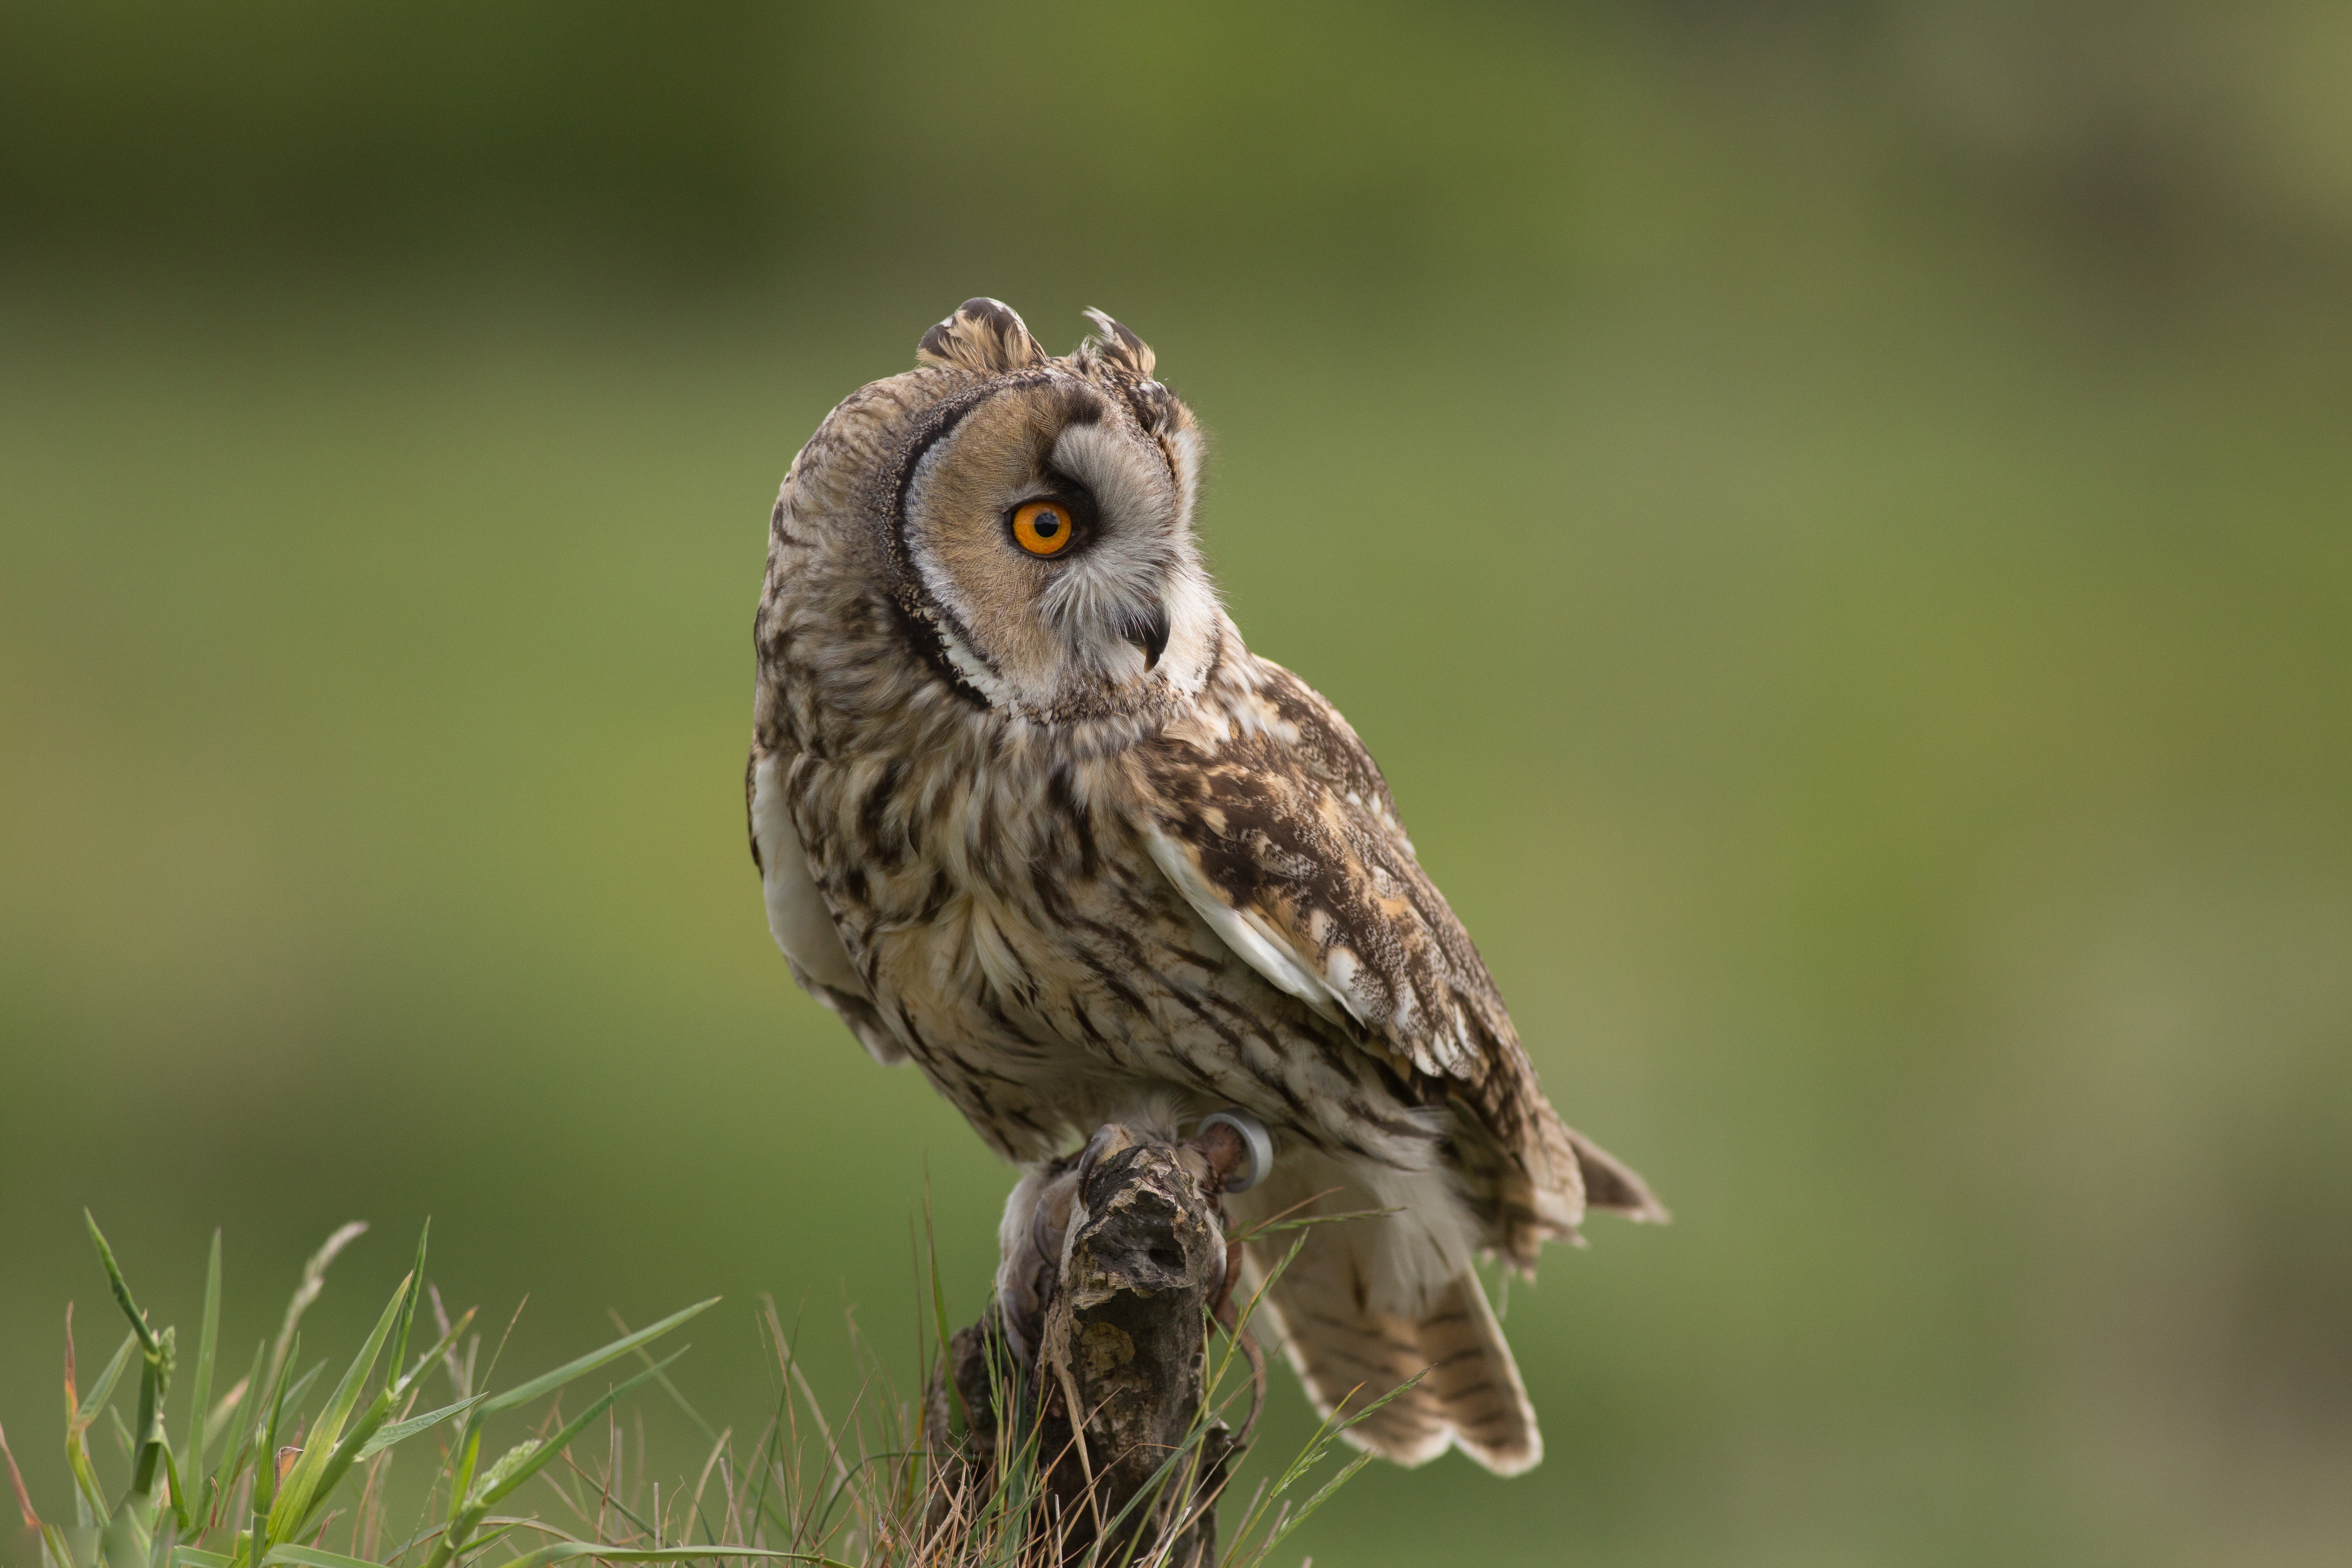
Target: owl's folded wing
[1282,835]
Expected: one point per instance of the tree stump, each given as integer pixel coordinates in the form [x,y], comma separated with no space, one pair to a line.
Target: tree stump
[1123,1450]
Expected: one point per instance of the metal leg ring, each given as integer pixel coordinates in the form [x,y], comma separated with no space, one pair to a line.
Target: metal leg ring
[1255,1138]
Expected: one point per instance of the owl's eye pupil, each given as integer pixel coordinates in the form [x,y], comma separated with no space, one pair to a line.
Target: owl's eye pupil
[1048,524]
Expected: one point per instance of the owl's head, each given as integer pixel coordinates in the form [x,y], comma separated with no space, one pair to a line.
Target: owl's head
[1027,518]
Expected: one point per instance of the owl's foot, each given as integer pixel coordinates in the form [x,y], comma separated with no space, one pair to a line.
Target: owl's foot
[1108,1139]
[1239,1153]
[1027,1278]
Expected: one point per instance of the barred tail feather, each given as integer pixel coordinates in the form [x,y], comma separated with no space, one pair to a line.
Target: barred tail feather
[1349,1355]
[1611,1184]
[1558,1175]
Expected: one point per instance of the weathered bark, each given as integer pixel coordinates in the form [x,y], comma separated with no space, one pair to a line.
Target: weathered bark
[1116,1389]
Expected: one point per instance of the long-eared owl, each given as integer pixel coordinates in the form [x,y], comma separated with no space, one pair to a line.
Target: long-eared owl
[1028,815]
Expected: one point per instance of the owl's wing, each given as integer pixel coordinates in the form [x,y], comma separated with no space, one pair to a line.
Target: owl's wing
[797,916]
[1282,835]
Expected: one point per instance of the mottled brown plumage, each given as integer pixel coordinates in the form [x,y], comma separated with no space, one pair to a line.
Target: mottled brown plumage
[1044,826]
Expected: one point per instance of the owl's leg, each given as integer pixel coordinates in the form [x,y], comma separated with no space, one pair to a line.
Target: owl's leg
[1049,1222]
[1239,1153]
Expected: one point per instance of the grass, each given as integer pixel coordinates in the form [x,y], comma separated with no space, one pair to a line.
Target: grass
[283,1469]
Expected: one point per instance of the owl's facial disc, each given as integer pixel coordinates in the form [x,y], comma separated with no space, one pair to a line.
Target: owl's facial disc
[1051,540]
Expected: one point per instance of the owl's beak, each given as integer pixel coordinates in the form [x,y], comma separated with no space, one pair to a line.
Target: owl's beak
[1149,633]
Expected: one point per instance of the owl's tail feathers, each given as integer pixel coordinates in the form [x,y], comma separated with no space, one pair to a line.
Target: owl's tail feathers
[1544,1193]
[1474,1383]
[1611,1184]
[1349,1355]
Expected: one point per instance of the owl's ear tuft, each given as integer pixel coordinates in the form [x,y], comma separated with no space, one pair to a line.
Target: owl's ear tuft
[983,335]
[1114,344]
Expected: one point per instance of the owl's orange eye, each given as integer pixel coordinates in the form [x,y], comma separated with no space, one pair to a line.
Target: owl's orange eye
[1042,528]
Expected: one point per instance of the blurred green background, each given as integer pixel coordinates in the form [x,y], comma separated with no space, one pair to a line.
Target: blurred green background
[1836,518]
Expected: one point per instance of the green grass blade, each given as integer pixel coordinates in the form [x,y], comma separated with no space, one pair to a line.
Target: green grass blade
[103,1389]
[349,1444]
[154,1383]
[464,1510]
[311,1557]
[189,1557]
[291,1400]
[940,1310]
[287,1402]
[547,1451]
[1271,1226]
[548,1383]
[408,1313]
[207,1338]
[121,1287]
[565,1551]
[461,1485]
[1322,1495]
[400,1431]
[89,1494]
[177,1492]
[292,1509]
[125,1542]
[677,1396]
[17,1483]
[340,1462]
[265,1447]
[240,1423]
[313,1280]
[432,1358]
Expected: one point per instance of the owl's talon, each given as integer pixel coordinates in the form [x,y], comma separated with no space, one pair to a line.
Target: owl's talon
[1229,1273]
[1243,1159]
[1096,1148]
[1008,1323]
[1044,1233]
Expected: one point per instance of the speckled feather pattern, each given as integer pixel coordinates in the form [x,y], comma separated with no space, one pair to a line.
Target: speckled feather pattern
[1062,889]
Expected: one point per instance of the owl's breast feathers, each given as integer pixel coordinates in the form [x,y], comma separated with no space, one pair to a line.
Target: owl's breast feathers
[1025,903]
[1270,817]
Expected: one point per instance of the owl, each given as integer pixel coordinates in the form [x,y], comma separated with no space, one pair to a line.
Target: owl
[1029,815]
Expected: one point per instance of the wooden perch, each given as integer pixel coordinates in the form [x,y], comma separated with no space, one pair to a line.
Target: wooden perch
[1121,1305]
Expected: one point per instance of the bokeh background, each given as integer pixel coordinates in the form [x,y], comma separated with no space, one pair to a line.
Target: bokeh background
[1836,517]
